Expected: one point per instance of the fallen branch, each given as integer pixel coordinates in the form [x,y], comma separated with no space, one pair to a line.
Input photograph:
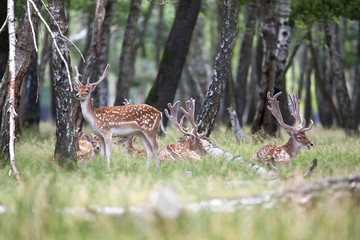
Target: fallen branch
[310,169]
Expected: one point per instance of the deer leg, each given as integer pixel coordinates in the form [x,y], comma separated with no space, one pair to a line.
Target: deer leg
[148,149]
[103,152]
[108,145]
[155,148]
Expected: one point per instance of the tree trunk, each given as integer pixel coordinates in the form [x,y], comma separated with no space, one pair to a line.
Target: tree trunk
[244,61]
[356,89]
[282,48]
[214,95]
[23,44]
[263,119]
[100,93]
[29,103]
[255,77]
[65,150]
[308,106]
[4,38]
[159,36]
[342,94]
[123,84]
[323,88]
[174,56]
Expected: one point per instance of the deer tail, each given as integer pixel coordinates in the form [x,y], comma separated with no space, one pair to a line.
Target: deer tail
[162,124]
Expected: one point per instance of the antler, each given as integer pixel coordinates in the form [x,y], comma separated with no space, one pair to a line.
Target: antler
[173,116]
[76,78]
[190,115]
[295,112]
[102,77]
[275,110]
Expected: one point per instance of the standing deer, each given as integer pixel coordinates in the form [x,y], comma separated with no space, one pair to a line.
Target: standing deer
[192,139]
[108,122]
[273,155]
[171,152]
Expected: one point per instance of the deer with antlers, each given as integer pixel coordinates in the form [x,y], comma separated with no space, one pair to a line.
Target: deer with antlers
[170,152]
[192,139]
[273,155]
[109,122]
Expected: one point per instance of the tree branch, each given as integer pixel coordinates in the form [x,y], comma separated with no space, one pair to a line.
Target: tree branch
[3,26]
[162,3]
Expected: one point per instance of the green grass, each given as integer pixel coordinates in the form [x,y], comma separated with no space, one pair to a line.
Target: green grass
[34,209]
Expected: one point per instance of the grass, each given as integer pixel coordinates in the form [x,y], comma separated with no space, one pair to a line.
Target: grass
[34,210]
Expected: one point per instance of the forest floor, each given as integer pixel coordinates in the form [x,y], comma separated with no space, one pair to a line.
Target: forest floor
[212,199]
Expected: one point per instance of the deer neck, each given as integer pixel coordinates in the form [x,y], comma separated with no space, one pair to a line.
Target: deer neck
[87,110]
[291,147]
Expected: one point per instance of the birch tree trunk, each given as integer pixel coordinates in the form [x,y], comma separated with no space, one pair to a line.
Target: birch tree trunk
[282,48]
[263,119]
[65,150]
[24,43]
[215,93]
[342,94]
[173,59]
[12,72]
[244,60]
[123,84]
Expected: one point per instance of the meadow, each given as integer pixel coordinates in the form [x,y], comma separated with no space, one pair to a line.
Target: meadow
[54,203]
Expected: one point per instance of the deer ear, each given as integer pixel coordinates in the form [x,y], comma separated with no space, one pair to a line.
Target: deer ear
[290,133]
[87,138]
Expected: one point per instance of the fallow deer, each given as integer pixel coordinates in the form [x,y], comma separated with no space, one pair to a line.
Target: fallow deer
[192,139]
[171,152]
[273,155]
[85,157]
[108,122]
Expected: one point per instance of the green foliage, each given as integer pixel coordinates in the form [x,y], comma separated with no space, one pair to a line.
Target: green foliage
[324,10]
[37,208]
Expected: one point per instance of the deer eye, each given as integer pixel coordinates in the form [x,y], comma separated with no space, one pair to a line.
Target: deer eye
[87,91]
[299,137]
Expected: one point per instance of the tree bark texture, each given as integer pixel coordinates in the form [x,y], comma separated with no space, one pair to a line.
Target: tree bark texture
[244,60]
[123,84]
[24,46]
[342,94]
[174,56]
[222,74]
[4,38]
[282,48]
[65,150]
[263,119]
[159,36]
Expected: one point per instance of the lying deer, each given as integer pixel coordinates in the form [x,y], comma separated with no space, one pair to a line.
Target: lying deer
[273,155]
[109,122]
[171,152]
[192,139]
[84,155]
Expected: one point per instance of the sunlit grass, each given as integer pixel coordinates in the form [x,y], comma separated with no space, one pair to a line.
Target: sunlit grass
[34,209]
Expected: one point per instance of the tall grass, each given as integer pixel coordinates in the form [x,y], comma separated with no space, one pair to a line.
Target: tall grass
[35,209]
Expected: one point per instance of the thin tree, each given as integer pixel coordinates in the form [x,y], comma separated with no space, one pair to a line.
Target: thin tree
[65,150]
[263,120]
[342,94]
[4,37]
[123,84]
[174,56]
[215,93]
[240,85]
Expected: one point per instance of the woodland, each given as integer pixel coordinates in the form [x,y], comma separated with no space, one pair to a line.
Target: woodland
[224,63]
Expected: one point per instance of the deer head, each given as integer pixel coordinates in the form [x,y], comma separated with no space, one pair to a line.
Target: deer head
[192,139]
[298,133]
